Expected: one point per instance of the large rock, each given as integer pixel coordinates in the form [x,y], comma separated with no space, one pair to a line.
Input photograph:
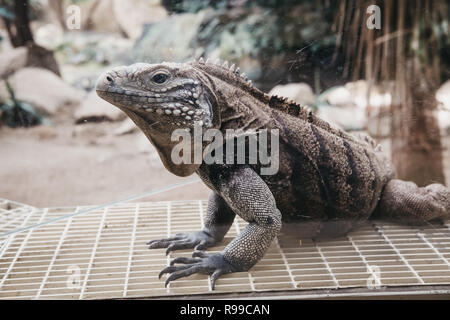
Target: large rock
[42,89]
[49,35]
[299,92]
[95,109]
[131,15]
[339,96]
[379,99]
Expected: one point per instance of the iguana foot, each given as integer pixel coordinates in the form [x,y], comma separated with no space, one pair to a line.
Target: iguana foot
[199,240]
[210,264]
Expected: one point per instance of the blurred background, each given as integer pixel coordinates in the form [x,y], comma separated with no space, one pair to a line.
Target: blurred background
[382,67]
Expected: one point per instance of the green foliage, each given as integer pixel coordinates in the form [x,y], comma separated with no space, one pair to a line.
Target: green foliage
[269,39]
[15,113]
[179,6]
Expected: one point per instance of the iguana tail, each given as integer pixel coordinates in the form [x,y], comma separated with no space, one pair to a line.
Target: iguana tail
[405,202]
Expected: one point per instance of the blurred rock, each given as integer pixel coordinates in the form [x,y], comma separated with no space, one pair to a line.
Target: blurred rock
[98,15]
[359,109]
[339,96]
[95,109]
[43,90]
[131,15]
[30,56]
[301,93]
[443,95]
[444,121]
[169,39]
[114,48]
[378,99]
[12,60]
[358,91]
[127,126]
[49,35]
[347,118]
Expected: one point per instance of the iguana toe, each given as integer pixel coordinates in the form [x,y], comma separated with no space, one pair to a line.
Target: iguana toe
[214,265]
[198,240]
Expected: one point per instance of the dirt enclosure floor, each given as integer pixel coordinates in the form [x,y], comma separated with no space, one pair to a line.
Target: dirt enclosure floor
[66,164]
[83,165]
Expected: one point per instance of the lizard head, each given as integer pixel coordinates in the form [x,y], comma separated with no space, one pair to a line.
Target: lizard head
[160,98]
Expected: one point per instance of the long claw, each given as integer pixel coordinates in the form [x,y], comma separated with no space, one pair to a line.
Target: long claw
[159,244]
[183,273]
[172,269]
[200,246]
[216,275]
[184,260]
[212,264]
[179,246]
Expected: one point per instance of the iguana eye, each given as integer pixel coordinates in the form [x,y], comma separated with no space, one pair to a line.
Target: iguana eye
[160,78]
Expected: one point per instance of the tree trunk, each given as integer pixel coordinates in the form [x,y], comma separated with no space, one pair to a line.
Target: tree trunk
[416,143]
[19,30]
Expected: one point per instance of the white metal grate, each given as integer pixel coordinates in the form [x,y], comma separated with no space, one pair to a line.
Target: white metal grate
[103,255]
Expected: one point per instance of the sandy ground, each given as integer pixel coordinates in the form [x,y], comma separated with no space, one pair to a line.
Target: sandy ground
[87,164]
[82,165]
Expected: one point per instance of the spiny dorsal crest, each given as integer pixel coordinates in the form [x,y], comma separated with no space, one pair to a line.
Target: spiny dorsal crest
[279,103]
[225,65]
[285,105]
[275,102]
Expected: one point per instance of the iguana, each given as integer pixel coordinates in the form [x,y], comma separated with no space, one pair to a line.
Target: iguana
[328,181]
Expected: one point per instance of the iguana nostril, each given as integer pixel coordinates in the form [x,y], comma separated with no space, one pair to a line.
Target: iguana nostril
[109,79]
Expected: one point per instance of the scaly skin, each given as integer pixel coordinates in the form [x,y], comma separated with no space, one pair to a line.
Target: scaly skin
[328,181]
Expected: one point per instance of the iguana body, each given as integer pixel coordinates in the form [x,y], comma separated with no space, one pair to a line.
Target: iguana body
[327,183]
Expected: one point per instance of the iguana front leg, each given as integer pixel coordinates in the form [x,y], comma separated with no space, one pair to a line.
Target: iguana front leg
[249,197]
[218,220]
